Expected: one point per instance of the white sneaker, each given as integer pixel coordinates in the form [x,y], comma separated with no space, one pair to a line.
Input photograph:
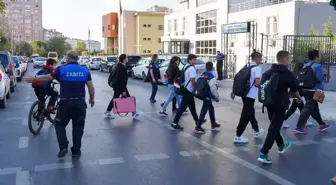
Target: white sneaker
[258,135]
[285,125]
[109,115]
[309,123]
[240,139]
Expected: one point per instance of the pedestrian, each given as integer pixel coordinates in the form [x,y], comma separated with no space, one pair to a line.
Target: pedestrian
[154,75]
[171,73]
[220,61]
[72,106]
[248,111]
[120,85]
[174,107]
[212,95]
[312,83]
[188,100]
[294,105]
[279,79]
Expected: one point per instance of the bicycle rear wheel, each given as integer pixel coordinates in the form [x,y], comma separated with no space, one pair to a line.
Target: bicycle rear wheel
[35,119]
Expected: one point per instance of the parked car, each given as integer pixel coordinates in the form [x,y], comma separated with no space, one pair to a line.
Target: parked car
[33,57]
[63,60]
[4,87]
[140,70]
[83,60]
[106,65]
[18,68]
[131,61]
[39,62]
[8,63]
[23,64]
[94,63]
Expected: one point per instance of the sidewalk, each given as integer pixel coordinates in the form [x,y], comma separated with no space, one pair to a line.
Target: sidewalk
[328,108]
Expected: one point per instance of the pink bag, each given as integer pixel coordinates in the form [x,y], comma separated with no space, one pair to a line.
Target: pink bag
[124,105]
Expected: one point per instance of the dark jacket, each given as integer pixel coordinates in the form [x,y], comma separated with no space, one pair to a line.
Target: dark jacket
[286,81]
[122,78]
[172,73]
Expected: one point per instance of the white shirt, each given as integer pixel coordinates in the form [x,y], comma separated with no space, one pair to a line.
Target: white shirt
[189,73]
[255,73]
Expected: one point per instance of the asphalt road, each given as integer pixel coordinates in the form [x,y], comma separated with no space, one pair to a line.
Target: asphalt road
[145,151]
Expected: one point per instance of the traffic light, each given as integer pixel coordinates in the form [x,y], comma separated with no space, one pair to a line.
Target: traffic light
[333,3]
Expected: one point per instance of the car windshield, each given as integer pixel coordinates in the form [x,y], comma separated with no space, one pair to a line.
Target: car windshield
[34,56]
[3,60]
[41,59]
[96,59]
[16,60]
[184,61]
[52,55]
[111,59]
[133,59]
[165,63]
[198,62]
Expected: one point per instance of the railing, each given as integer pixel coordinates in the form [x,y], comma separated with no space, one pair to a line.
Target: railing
[252,4]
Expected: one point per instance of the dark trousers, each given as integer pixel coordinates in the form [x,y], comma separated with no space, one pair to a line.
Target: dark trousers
[220,70]
[154,90]
[311,108]
[187,101]
[115,95]
[42,92]
[276,116]
[247,115]
[207,106]
[74,110]
[293,108]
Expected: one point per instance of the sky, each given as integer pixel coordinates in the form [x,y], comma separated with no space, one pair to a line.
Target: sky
[74,17]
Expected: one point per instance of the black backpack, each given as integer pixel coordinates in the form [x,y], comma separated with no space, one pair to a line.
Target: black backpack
[241,82]
[307,78]
[179,86]
[112,79]
[202,87]
[267,92]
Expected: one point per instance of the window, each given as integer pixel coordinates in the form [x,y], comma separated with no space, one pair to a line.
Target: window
[149,51]
[37,6]
[206,48]
[169,26]
[109,27]
[149,25]
[144,39]
[159,40]
[184,23]
[149,39]
[144,51]
[203,2]
[206,22]
[160,27]
[27,6]
[103,28]
[272,25]
[175,25]
[113,27]
[145,25]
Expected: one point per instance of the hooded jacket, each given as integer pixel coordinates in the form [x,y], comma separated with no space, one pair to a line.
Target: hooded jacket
[213,93]
[286,81]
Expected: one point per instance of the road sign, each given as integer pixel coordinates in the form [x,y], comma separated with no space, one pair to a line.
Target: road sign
[243,27]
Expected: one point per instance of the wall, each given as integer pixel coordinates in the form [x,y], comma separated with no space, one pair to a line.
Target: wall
[109,20]
[130,32]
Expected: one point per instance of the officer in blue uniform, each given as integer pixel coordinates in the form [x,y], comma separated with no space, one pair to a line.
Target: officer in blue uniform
[73,78]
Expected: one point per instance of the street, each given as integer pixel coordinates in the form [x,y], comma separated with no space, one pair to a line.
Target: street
[145,151]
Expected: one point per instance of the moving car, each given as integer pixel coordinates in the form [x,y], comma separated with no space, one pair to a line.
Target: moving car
[140,70]
[39,62]
[94,63]
[63,60]
[106,65]
[83,60]
[53,55]
[33,57]
[4,86]
[131,61]
[18,68]
[8,64]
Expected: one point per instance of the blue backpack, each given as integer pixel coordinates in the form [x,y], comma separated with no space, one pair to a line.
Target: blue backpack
[41,84]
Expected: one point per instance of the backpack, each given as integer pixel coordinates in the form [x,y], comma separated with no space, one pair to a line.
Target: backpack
[41,84]
[241,83]
[307,78]
[179,86]
[267,92]
[202,87]
[113,76]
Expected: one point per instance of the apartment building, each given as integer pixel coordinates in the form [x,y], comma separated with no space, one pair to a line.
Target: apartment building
[199,26]
[110,33]
[25,19]
[50,33]
[73,42]
[93,45]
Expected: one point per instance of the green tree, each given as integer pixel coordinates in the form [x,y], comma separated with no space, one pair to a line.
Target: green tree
[23,48]
[2,7]
[59,45]
[39,47]
[80,47]
[313,31]
[328,29]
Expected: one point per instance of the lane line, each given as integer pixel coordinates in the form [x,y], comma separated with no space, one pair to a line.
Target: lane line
[9,171]
[147,157]
[23,142]
[330,140]
[227,154]
[20,103]
[15,118]
[53,166]
[305,142]
[22,178]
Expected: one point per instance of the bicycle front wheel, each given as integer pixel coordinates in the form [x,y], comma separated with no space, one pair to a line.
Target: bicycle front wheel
[35,119]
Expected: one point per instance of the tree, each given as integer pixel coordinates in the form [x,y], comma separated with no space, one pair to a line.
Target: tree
[59,45]
[80,47]
[328,30]
[2,7]
[39,47]
[313,31]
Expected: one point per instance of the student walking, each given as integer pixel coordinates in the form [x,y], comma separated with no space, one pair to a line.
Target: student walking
[248,111]
[154,75]
[212,94]
[277,81]
[171,73]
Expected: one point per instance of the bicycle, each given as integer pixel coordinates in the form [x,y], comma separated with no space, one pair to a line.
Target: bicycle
[39,115]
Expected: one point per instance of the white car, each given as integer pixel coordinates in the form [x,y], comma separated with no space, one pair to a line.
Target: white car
[140,69]
[94,63]
[39,62]
[4,87]
[18,68]
[83,60]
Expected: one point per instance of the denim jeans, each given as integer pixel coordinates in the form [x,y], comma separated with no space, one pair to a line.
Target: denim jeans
[171,96]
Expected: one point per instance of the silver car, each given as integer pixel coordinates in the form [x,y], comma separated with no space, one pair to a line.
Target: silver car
[94,63]
[39,62]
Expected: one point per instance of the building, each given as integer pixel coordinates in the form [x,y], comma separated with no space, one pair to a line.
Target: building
[143,31]
[195,26]
[48,34]
[73,42]
[110,33]
[93,45]
[25,19]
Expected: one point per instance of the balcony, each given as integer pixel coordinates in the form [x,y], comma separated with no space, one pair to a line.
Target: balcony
[252,4]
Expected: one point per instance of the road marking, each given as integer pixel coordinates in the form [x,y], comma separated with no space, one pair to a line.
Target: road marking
[330,140]
[107,161]
[22,178]
[147,157]
[23,142]
[15,118]
[25,122]
[194,153]
[54,166]
[226,154]
[9,171]
[237,149]
[305,142]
